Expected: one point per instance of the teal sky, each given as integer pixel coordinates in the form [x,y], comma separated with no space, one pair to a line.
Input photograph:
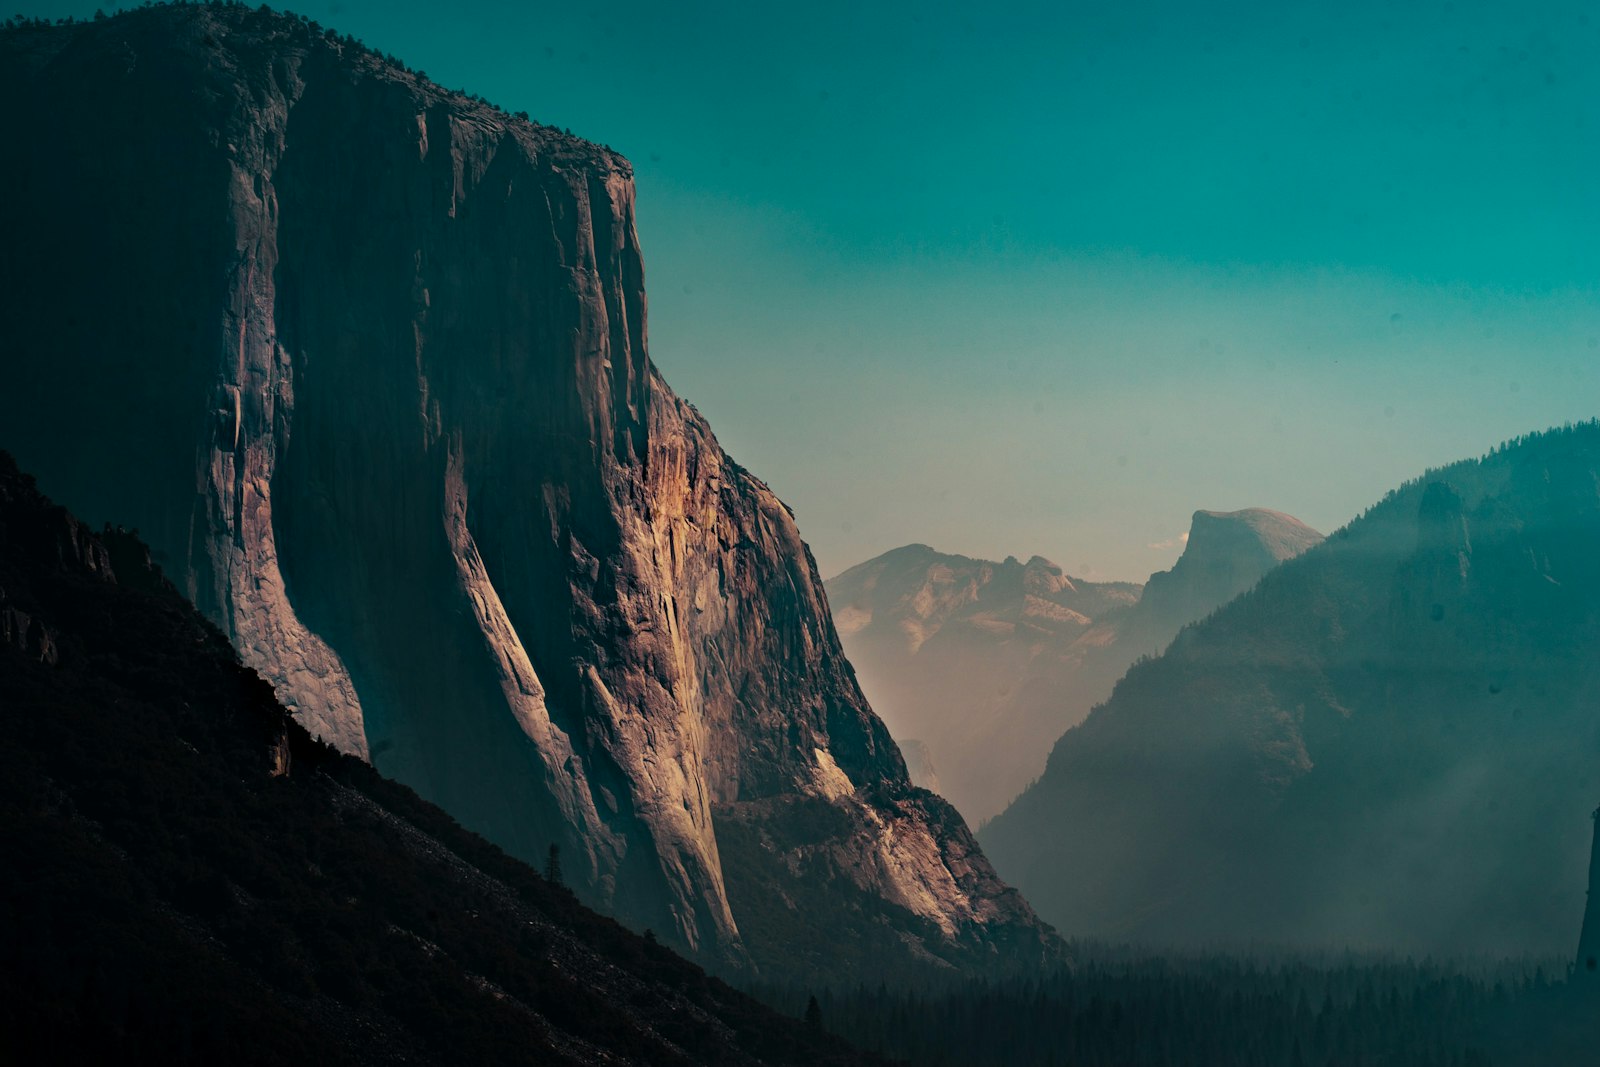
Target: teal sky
[1025,279]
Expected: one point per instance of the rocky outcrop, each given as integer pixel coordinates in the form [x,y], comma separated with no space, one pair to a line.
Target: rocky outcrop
[987,664]
[1381,744]
[365,361]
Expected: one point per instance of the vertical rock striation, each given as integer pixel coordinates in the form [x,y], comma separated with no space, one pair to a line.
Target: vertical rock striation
[366,362]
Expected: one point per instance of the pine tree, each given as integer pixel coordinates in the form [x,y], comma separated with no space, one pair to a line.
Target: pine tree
[552,866]
[813,1013]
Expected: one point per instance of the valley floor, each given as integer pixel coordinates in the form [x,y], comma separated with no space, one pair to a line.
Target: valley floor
[1124,1007]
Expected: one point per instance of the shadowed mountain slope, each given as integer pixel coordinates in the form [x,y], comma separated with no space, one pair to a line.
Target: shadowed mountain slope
[1390,741]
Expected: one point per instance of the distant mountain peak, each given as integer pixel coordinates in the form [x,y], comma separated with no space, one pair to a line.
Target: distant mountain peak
[1227,552]
[988,663]
[915,549]
[1281,536]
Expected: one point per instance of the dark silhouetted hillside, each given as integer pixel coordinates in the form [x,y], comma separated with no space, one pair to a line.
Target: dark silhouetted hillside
[189,878]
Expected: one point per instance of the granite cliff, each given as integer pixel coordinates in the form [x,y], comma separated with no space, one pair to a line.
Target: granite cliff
[984,665]
[364,361]
[1387,743]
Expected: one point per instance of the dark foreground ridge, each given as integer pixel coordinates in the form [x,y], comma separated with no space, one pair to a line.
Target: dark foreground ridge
[189,877]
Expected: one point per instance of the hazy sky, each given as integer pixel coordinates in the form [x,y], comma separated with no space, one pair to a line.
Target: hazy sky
[1047,278]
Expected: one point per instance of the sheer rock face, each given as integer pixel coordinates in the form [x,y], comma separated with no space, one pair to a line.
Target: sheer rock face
[365,361]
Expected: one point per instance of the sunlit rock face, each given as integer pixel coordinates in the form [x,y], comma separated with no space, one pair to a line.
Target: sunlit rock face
[1389,742]
[366,362]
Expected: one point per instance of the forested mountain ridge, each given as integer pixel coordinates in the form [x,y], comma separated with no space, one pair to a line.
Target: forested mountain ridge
[365,360]
[1392,741]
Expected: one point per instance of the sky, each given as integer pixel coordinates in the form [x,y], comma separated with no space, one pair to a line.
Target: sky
[1046,279]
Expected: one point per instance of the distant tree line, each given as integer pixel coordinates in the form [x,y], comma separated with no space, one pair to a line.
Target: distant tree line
[1565,430]
[1122,1010]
